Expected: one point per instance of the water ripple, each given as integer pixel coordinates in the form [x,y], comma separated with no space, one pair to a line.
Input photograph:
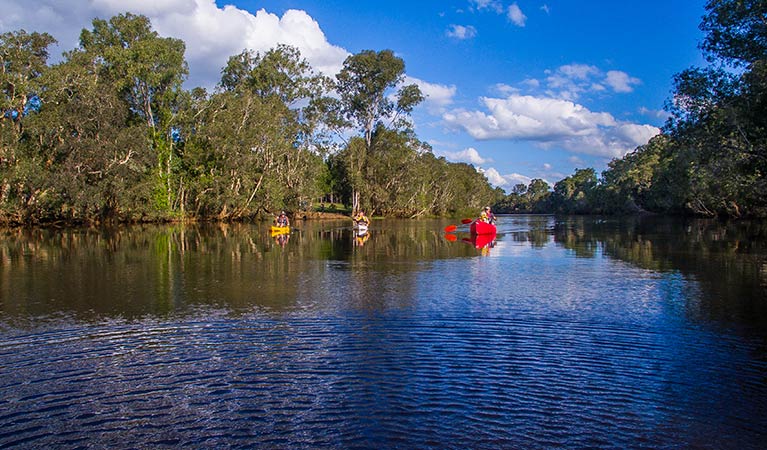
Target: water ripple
[385,382]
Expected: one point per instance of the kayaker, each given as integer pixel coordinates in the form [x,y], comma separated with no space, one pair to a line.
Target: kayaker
[282,220]
[487,215]
[361,218]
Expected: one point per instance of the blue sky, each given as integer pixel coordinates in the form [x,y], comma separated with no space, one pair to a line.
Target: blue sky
[521,89]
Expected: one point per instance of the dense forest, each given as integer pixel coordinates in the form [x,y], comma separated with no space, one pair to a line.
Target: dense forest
[110,134]
[711,157]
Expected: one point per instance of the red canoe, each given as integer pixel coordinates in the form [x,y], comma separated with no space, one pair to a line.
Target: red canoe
[478,227]
[480,240]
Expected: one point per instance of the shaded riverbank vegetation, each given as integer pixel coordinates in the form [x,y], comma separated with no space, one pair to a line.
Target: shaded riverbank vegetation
[110,134]
[711,157]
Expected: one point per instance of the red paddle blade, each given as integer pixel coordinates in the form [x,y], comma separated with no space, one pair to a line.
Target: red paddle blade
[451,237]
[450,228]
[465,221]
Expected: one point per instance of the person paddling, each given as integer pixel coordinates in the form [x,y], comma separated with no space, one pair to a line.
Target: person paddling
[361,218]
[487,215]
[282,220]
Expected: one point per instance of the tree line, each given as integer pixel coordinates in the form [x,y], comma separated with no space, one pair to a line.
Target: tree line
[711,156]
[110,134]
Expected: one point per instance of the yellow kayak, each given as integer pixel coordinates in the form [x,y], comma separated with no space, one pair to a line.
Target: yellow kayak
[279,230]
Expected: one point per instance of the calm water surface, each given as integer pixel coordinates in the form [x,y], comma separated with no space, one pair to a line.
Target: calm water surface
[563,332]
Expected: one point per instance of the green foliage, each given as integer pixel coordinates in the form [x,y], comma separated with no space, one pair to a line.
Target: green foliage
[575,194]
[363,84]
[23,58]
[141,65]
[735,31]
[712,156]
[117,138]
[533,198]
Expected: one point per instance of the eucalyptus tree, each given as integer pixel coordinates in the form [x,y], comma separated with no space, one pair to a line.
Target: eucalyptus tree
[147,70]
[576,193]
[281,73]
[88,160]
[629,183]
[719,115]
[371,92]
[538,195]
[392,178]
[451,188]
[248,147]
[23,60]
[144,67]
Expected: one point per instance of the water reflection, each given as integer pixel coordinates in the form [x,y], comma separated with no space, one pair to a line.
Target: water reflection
[725,259]
[133,271]
[557,332]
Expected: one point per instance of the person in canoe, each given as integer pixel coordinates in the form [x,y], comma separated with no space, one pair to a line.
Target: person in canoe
[282,220]
[361,219]
[487,215]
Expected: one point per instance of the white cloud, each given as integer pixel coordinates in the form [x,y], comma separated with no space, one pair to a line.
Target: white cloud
[504,89]
[578,71]
[621,81]
[212,34]
[493,5]
[516,178]
[495,178]
[437,96]
[545,8]
[551,123]
[571,81]
[469,155]
[531,83]
[507,181]
[527,117]
[461,32]
[516,16]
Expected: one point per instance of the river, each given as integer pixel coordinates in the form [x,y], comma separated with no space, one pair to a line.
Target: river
[562,332]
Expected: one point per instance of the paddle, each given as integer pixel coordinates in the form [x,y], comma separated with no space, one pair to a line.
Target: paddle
[451,237]
[451,228]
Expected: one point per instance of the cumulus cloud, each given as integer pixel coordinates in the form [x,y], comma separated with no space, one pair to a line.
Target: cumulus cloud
[507,181]
[437,96]
[570,81]
[495,178]
[504,89]
[212,34]
[461,32]
[469,155]
[621,81]
[551,123]
[516,16]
